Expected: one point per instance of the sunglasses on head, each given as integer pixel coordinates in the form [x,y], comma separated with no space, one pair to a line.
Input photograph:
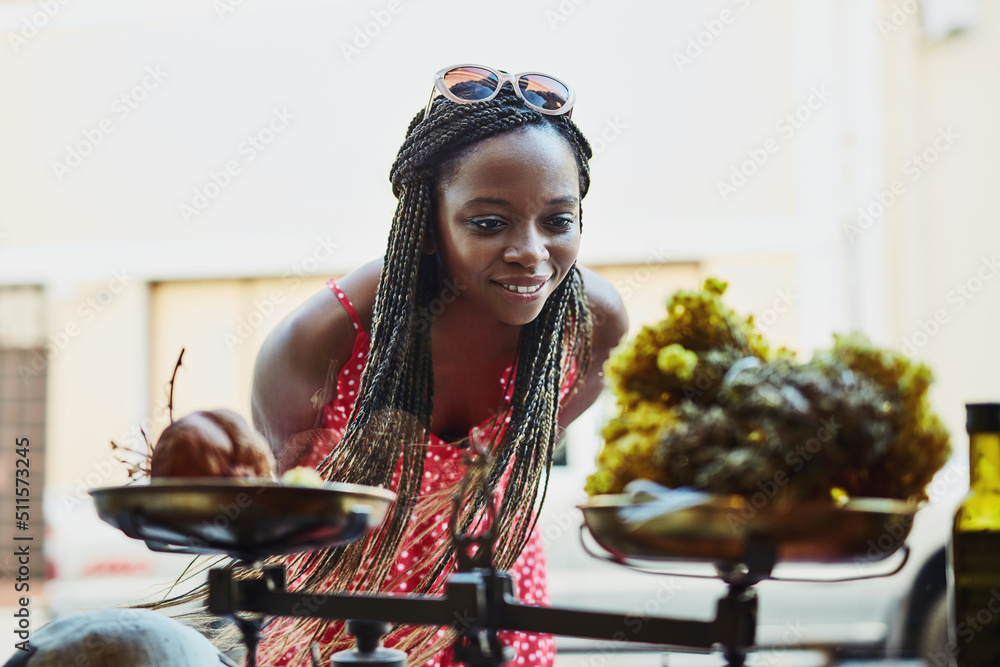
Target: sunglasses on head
[465,84]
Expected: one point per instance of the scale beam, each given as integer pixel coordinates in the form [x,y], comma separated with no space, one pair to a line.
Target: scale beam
[482,599]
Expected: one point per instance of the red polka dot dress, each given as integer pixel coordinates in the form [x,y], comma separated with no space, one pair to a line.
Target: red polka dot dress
[442,469]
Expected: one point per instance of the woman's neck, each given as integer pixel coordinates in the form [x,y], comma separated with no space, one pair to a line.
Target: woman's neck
[459,333]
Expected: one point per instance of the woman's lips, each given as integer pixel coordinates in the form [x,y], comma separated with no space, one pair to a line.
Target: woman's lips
[521,289]
[526,286]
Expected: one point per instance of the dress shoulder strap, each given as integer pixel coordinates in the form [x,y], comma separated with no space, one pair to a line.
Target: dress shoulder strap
[346,303]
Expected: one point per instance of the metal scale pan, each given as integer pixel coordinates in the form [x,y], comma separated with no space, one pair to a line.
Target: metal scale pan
[248,519]
[728,529]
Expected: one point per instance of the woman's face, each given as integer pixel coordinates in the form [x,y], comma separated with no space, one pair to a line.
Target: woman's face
[508,222]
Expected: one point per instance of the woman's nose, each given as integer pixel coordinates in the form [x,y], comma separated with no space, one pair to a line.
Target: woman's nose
[527,249]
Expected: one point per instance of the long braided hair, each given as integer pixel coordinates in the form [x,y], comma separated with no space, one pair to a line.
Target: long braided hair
[392,416]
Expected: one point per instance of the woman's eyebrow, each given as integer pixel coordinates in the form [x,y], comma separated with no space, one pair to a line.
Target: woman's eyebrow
[567,199]
[486,200]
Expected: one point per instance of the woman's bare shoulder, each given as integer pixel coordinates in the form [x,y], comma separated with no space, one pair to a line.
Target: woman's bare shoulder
[610,324]
[305,350]
[606,308]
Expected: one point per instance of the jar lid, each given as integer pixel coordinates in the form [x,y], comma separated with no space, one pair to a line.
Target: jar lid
[982,417]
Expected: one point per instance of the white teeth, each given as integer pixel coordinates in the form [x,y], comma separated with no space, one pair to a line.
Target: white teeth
[523,289]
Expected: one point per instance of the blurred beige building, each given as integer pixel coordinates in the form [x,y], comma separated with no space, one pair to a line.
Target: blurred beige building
[182,175]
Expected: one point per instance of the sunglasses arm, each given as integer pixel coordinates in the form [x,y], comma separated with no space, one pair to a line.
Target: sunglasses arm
[427,109]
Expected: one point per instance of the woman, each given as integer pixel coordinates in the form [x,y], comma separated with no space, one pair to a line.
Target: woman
[480,322]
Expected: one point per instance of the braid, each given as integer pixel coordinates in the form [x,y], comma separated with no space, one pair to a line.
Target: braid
[392,416]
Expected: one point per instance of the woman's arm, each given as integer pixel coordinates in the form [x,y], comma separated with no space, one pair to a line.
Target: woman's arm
[305,352]
[610,324]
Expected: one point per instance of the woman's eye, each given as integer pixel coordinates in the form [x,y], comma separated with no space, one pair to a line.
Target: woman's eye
[562,222]
[487,223]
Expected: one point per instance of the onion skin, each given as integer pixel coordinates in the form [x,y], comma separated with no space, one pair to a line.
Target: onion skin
[216,443]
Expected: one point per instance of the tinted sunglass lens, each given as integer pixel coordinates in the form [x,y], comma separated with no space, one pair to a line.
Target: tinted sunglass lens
[543,91]
[471,83]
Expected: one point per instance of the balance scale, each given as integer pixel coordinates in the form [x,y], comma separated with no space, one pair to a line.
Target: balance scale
[197,516]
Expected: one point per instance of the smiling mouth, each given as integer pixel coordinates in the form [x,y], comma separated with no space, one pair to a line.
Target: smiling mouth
[522,289]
